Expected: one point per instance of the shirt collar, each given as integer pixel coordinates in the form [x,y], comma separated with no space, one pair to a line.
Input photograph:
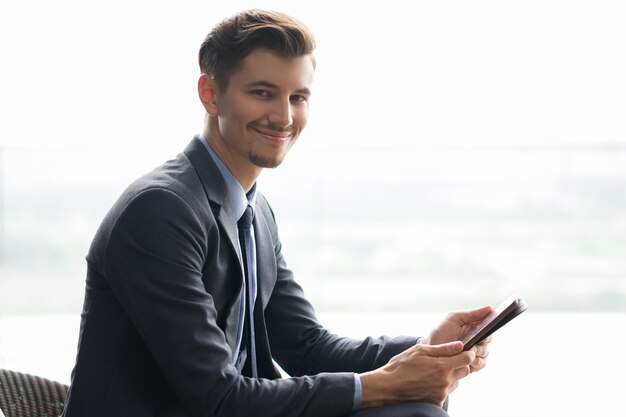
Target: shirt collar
[235,192]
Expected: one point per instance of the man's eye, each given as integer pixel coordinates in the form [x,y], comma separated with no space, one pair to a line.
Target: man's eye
[261,93]
[298,98]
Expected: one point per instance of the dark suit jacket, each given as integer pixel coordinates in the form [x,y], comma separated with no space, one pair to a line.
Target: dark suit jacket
[161,308]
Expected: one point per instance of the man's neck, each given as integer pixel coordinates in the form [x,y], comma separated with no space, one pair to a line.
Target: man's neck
[241,168]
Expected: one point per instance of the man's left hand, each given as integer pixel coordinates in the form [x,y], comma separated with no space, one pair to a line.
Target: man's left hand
[455,326]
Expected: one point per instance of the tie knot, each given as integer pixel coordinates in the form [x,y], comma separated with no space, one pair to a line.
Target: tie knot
[245,222]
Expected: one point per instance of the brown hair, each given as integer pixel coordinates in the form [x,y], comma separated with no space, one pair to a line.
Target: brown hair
[234,38]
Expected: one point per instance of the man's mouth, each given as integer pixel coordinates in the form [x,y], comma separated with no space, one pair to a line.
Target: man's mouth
[277,135]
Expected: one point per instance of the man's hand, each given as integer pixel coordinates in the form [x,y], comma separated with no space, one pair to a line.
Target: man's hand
[422,373]
[454,327]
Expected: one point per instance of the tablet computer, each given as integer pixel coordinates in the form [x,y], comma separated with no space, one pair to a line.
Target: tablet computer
[510,308]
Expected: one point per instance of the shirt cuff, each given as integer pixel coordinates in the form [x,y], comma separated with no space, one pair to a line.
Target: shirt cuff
[358,389]
[358,393]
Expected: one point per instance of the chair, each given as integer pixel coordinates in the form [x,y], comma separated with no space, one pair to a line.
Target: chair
[24,395]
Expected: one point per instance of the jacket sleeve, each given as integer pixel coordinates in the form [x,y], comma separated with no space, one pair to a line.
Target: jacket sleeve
[301,345]
[153,260]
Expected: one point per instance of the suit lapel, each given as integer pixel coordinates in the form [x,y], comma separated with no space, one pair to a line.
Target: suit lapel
[215,189]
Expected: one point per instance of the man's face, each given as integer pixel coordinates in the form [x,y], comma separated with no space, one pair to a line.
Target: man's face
[263,109]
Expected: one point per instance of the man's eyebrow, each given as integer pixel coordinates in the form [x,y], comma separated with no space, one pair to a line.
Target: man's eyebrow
[268,84]
[262,84]
[304,91]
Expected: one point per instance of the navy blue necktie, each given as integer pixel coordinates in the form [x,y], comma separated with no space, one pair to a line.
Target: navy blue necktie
[245,230]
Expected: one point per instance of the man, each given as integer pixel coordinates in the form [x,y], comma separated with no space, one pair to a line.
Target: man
[186,304]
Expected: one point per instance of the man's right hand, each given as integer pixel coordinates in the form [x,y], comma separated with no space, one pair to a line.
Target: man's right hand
[425,373]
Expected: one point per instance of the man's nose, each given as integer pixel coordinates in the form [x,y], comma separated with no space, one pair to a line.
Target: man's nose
[282,113]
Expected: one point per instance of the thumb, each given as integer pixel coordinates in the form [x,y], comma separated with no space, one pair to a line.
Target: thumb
[471,316]
[444,350]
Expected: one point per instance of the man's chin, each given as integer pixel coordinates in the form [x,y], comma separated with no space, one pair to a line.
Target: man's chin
[266,162]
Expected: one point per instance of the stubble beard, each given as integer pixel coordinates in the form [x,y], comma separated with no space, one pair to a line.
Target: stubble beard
[263,161]
[269,161]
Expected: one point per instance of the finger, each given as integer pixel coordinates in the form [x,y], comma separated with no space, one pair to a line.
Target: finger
[461,360]
[443,350]
[451,389]
[482,351]
[461,373]
[477,364]
[471,316]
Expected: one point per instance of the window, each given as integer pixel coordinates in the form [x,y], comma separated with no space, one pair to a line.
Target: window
[456,151]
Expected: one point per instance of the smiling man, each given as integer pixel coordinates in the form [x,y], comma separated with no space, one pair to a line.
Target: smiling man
[188,297]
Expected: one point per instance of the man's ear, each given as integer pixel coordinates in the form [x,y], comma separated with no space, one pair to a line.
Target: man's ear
[207,89]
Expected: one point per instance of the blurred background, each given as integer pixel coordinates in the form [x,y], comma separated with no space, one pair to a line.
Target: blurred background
[456,152]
